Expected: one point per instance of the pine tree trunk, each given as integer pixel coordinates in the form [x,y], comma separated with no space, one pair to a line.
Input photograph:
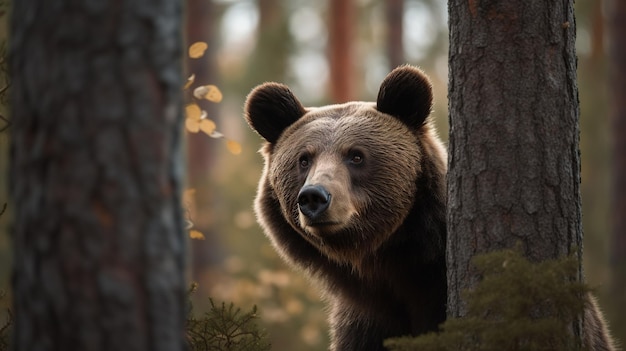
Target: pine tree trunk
[341,41]
[200,23]
[617,29]
[514,167]
[273,43]
[96,172]
[394,10]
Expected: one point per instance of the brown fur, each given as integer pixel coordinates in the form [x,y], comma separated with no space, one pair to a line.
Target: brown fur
[380,256]
[379,248]
[596,335]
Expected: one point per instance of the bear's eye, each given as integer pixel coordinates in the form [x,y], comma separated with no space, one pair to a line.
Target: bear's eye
[304,161]
[356,157]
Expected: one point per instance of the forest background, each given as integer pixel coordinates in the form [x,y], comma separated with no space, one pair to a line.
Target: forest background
[329,51]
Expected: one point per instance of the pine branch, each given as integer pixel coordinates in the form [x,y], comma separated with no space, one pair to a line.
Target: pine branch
[225,328]
[518,305]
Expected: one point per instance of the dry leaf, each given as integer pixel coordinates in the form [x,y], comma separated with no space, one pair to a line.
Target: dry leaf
[197,49]
[233,146]
[190,81]
[209,92]
[193,112]
[194,234]
[192,125]
[207,126]
[188,195]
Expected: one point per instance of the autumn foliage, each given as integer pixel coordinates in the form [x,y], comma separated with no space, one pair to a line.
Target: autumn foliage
[197,119]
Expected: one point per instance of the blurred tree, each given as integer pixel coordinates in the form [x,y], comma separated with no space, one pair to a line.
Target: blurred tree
[617,53]
[595,144]
[200,28]
[96,175]
[341,42]
[200,22]
[514,172]
[273,43]
[597,32]
[394,10]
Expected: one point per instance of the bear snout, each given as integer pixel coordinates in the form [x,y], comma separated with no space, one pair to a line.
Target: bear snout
[313,201]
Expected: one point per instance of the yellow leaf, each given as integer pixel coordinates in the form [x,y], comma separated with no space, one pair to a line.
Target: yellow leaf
[209,92]
[194,234]
[192,125]
[192,111]
[207,126]
[189,194]
[233,146]
[197,49]
[190,81]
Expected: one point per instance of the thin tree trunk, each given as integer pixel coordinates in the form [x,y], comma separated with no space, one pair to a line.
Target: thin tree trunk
[273,43]
[597,32]
[394,10]
[96,175]
[617,29]
[341,41]
[514,169]
[200,26]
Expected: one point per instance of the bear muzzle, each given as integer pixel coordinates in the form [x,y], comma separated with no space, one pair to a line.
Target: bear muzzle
[313,201]
[322,212]
[324,201]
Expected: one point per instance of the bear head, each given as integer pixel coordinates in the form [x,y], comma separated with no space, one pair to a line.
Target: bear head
[344,176]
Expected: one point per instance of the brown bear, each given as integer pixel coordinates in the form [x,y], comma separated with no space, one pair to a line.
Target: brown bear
[354,195]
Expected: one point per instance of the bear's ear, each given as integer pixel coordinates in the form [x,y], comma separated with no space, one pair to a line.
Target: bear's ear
[270,108]
[406,93]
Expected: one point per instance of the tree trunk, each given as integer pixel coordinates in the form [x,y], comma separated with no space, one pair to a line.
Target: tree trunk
[514,167]
[200,27]
[394,10]
[200,19]
[341,40]
[96,172]
[273,43]
[617,53]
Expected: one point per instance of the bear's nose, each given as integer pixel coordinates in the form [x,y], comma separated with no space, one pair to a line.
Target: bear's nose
[313,200]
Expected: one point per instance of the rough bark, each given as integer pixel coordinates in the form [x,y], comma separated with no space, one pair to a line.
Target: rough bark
[617,53]
[341,42]
[514,166]
[96,171]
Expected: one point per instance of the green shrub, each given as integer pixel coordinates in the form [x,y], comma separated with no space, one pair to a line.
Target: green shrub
[518,305]
[222,328]
[225,328]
